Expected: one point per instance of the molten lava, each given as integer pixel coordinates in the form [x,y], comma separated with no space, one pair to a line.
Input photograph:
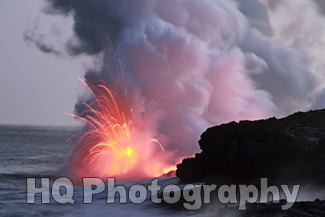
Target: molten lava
[118,141]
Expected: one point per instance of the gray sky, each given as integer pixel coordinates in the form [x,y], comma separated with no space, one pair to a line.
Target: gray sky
[35,88]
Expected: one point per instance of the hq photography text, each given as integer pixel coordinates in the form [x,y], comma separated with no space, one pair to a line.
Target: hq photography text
[193,196]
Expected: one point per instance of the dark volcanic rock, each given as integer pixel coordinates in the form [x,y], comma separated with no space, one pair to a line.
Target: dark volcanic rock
[299,209]
[286,150]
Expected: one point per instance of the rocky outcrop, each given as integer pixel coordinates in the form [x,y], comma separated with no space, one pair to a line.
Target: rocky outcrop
[287,150]
[299,209]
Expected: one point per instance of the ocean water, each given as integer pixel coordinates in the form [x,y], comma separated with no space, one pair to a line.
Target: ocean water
[41,152]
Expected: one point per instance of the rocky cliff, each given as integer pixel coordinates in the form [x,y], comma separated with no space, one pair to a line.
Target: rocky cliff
[287,150]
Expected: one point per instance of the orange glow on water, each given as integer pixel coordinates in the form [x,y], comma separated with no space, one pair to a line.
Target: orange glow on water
[116,144]
[169,169]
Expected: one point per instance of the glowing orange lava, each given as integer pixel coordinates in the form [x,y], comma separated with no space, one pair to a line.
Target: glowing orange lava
[116,144]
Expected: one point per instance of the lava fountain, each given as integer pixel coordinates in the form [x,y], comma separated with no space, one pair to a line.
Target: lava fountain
[118,141]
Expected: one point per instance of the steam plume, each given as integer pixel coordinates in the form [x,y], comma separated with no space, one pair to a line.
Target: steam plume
[204,61]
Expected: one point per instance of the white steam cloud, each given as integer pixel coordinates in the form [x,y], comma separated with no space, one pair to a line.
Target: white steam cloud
[210,61]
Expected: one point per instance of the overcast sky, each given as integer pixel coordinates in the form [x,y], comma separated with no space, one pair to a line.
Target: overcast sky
[35,88]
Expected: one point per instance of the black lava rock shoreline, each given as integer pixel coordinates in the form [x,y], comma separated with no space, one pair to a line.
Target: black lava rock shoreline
[299,209]
[287,150]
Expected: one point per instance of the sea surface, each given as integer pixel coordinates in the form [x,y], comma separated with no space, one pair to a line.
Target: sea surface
[27,151]
[41,152]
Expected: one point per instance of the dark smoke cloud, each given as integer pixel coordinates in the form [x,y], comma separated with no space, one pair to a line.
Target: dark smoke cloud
[33,35]
[40,43]
[257,14]
[320,4]
[213,61]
